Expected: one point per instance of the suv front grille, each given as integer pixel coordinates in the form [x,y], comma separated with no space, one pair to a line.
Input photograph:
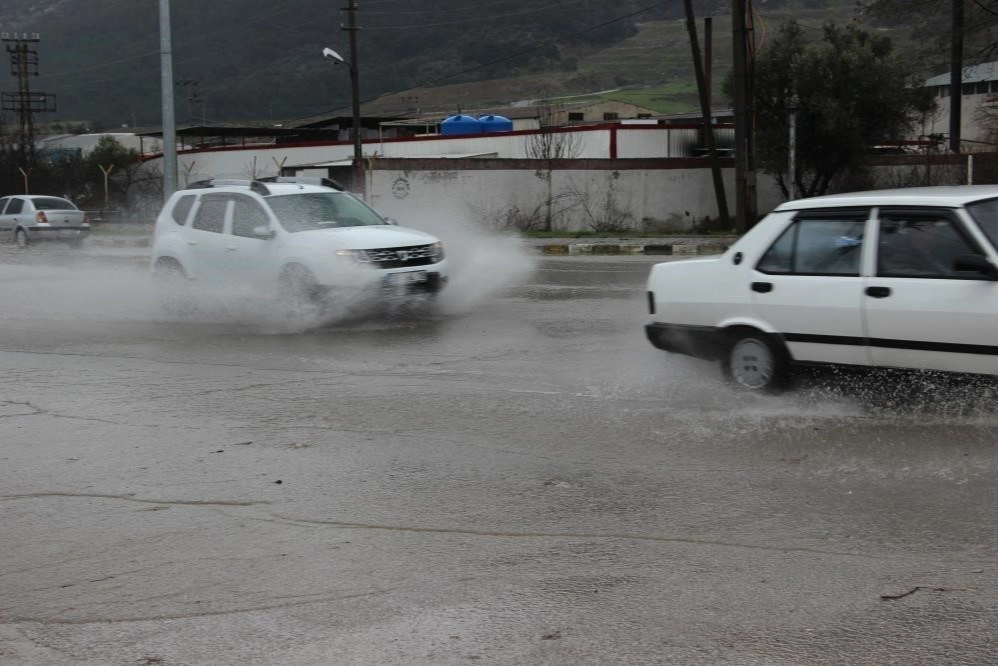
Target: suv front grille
[400,257]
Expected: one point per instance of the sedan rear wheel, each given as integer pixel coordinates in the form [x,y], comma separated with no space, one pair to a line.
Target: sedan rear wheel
[756,362]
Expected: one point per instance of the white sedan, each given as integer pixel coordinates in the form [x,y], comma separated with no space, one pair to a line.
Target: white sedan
[893,278]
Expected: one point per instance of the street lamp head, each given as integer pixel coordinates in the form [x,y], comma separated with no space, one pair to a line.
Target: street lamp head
[330,54]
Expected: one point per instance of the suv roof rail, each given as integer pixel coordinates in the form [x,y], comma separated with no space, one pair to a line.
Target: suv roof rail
[254,185]
[305,180]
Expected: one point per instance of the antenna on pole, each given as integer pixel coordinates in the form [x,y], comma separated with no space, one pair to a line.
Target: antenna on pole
[24,65]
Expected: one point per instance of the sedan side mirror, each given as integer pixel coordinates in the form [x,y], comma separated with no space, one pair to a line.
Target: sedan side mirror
[389,220]
[975,263]
[264,232]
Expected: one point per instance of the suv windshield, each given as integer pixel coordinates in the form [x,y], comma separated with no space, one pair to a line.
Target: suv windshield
[321,210]
[984,214]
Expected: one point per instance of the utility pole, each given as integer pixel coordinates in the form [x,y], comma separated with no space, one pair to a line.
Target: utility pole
[707,58]
[355,95]
[166,95]
[956,72]
[23,65]
[709,130]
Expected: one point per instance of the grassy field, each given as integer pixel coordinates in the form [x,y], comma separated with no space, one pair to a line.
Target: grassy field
[652,69]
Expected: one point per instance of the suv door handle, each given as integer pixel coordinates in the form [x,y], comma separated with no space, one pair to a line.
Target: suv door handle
[878,292]
[762,287]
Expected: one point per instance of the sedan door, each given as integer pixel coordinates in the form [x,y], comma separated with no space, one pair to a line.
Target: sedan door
[11,213]
[921,311]
[808,286]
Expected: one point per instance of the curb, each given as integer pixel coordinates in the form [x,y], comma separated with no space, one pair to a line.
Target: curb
[118,242]
[660,249]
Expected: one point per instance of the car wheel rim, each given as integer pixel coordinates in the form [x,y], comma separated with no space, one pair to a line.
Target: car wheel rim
[21,239]
[752,363]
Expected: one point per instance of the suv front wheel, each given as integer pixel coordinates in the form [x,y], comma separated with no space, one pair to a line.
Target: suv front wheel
[298,289]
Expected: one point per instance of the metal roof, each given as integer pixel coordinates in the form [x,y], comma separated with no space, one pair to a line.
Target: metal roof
[971,74]
[247,131]
[950,196]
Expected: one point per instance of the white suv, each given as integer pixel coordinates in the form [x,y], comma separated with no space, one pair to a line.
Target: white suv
[295,238]
[895,278]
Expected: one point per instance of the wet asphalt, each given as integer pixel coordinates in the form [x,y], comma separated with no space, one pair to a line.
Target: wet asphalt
[510,475]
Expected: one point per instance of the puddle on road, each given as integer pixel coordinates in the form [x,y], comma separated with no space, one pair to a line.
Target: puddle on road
[53,285]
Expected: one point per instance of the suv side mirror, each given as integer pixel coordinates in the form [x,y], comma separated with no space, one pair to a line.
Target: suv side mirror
[975,263]
[264,232]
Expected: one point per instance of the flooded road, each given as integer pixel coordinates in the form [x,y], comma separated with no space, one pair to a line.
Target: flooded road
[512,475]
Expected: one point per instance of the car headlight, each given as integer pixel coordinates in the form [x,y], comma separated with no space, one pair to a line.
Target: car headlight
[436,251]
[359,256]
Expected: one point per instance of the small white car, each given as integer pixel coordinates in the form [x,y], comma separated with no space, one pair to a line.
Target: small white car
[297,239]
[29,218]
[894,278]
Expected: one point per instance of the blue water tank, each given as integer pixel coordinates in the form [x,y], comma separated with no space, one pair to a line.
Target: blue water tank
[461,125]
[496,124]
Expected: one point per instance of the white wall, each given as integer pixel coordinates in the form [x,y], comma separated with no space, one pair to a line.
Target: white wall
[653,198]
[649,200]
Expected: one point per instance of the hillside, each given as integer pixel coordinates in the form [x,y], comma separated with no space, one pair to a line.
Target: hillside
[259,61]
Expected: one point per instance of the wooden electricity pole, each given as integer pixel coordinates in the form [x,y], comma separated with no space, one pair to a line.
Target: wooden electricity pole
[709,131]
[745,175]
[956,72]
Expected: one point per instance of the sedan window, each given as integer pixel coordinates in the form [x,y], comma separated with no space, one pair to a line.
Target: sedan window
[985,215]
[923,246]
[15,206]
[52,203]
[827,245]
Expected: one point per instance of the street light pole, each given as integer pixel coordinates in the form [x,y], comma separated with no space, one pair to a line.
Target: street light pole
[166,93]
[358,162]
[792,147]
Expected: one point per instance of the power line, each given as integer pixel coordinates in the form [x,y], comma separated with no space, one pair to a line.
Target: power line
[536,47]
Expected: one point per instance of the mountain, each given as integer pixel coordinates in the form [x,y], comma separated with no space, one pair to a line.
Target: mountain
[260,60]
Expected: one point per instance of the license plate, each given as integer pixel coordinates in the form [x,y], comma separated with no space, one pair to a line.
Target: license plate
[409,277]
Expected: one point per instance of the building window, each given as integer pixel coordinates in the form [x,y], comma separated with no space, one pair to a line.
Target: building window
[610,115]
[575,115]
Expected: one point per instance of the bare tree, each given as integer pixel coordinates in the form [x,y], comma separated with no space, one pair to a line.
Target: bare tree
[553,141]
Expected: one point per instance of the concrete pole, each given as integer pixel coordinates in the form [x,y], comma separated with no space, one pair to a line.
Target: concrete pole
[166,94]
